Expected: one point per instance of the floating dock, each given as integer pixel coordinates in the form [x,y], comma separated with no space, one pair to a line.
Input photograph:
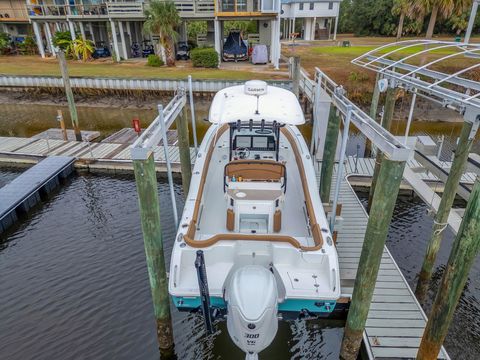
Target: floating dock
[396,320]
[26,190]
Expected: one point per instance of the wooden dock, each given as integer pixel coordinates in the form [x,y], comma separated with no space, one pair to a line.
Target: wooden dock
[56,134]
[26,190]
[396,320]
[94,156]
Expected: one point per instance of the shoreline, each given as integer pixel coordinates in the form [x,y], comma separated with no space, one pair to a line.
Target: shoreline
[424,110]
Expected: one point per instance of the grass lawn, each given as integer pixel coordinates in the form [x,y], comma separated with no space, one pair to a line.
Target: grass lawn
[35,65]
[335,61]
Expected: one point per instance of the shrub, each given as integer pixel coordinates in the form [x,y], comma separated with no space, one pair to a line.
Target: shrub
[204,57]
[154,60]
[62,39]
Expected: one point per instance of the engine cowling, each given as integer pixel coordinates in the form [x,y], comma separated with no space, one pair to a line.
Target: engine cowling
[252,299]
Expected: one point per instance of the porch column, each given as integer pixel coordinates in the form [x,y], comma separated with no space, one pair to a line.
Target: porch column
[82,30]
[72,30]
[92,35]
[38,38]
[122,39]
[336,23]
[48,33]
[314,27]
[115,41]
[129,31]
[57,27]
[217,36]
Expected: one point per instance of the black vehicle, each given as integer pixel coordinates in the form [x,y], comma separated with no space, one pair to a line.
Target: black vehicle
[183,51]
[136,51]
[147,49]
[101,51]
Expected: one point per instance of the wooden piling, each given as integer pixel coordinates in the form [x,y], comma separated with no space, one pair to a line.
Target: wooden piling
[373,114]
[330,149]
[184,150]
[464,251]
[62,124]
[441,217]
[296,75]
[388,111]
[146,180]
[385,196]
[69,93]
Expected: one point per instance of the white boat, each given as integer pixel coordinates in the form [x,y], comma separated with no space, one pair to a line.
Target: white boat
[254,211]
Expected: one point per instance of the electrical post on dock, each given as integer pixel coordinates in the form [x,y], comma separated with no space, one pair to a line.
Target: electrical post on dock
[440,222]
[69,93]
[464,251]
[373,114]
[62,124]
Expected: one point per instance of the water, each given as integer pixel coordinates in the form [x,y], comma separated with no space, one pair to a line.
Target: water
[74,284]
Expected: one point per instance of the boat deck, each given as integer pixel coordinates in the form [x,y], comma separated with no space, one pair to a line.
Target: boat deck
[396,320]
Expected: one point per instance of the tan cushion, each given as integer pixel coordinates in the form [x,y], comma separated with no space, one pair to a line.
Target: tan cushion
[230,220]
[277,221]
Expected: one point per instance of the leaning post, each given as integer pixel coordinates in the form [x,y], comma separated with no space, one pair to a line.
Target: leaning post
[440,220]
[373,114]
[389,179]
[62,124]
[464,251]
[390,99]
[184,149]
[147,190]
[296,75]
[68,91]
[329,152]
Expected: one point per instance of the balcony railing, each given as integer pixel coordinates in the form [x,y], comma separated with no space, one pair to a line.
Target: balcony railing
[64,10]
[247,7]
[13,14]
[125,8]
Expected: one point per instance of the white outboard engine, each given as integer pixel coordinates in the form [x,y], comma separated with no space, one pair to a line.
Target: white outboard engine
[252,299]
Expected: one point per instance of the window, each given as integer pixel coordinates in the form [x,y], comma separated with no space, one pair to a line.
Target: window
[300,6]
[330,5]
[312,5]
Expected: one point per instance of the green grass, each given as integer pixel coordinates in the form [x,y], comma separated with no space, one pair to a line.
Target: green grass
[34,65]
[354,51]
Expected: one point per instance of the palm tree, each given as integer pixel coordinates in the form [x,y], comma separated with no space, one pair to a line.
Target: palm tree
[438,8]
[162,19]
[402,8]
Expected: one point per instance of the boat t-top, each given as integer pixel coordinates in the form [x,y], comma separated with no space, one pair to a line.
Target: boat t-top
[253,222]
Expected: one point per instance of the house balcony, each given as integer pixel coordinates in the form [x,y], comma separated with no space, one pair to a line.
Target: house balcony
[9,14]
[117,10]
[247,8]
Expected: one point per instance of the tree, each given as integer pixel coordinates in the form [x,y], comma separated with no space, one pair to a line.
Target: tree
[401,8]
[438,9]
[162,19]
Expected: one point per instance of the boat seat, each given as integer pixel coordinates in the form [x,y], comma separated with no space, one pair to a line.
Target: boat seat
[255,170]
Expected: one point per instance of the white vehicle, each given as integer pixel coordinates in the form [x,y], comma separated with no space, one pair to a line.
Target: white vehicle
[254,211]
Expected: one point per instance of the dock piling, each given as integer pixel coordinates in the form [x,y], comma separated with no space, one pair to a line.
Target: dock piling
[184,150]
[295,75]
[329,152]
[69,93]
[146,180]
[384,198]
[464,251]
[373,114]
[441,217]
[390,99]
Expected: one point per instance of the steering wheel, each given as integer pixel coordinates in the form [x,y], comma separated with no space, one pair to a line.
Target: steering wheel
[242,152]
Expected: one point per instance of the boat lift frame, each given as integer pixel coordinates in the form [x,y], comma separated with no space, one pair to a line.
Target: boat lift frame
[451,91]
[351,113]
[157,131]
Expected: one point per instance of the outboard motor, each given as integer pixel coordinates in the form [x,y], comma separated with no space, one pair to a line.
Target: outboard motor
[252,299]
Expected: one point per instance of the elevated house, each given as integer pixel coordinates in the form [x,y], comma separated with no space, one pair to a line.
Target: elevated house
[310,19]
[118,24]
[14,19]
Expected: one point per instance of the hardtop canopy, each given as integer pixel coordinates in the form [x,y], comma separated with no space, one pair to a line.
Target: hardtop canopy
[257,101]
